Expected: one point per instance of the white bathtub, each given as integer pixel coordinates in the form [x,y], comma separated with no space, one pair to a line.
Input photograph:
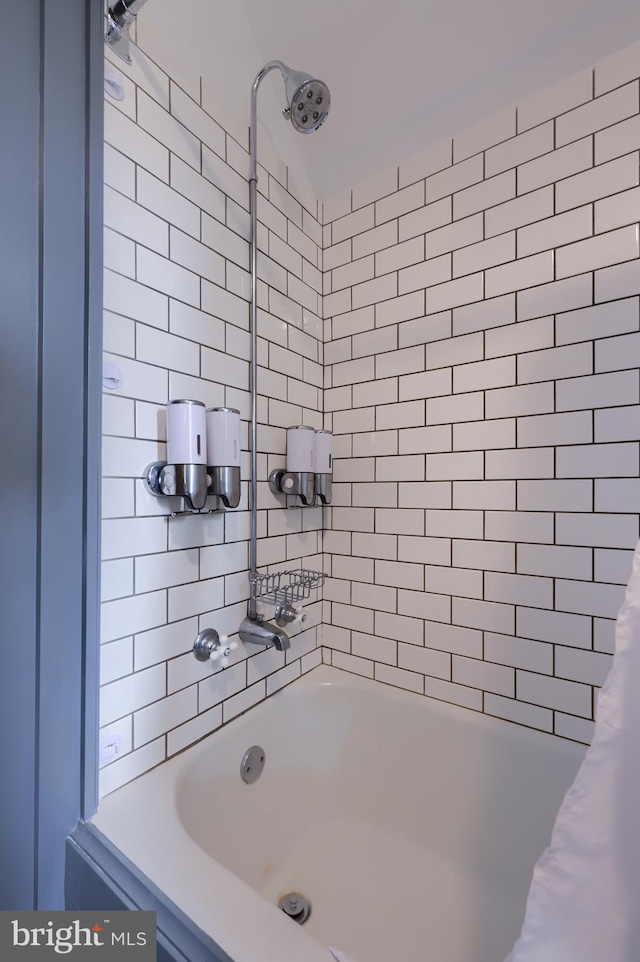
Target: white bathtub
[411,825]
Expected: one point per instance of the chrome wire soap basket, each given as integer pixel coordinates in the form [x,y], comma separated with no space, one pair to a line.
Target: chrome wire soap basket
[285,590]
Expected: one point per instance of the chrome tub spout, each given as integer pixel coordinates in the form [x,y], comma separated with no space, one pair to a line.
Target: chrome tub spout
[260,632]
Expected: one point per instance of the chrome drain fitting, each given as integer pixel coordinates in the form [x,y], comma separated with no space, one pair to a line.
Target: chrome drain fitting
[252,764]
[296,906]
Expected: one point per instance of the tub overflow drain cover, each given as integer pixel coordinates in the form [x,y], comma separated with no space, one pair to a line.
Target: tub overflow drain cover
[296,906]
[252,764]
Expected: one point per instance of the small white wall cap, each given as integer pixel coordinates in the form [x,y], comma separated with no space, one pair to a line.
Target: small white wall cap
[113,82]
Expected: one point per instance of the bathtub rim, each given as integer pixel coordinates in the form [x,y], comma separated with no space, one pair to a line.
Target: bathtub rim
[99,876]
[329,676]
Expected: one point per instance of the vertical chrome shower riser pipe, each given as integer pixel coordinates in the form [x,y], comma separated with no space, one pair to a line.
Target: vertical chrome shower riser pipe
[311,100]
[253,206]
[253,542]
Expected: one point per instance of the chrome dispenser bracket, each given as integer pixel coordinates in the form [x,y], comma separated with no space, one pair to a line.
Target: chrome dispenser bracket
[300,483]
[324,488]
[225,485]
[186,481]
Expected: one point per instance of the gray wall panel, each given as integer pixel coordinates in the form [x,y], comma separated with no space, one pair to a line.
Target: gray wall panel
[50,322]
[19,329]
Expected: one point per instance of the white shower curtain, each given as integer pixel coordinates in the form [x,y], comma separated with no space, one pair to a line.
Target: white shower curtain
[584,901]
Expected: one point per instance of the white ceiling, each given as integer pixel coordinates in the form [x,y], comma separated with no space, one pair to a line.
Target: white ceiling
[402,73]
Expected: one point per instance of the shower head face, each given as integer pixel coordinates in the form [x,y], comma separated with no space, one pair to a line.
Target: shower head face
[309,102]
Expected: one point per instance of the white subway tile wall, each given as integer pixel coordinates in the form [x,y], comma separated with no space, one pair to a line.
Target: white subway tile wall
[479,307]
[176,322]
[481,378]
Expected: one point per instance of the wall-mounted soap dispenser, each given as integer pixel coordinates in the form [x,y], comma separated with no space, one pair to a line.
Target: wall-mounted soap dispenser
[184,473]
[223,454]
[324,465]
[299,475]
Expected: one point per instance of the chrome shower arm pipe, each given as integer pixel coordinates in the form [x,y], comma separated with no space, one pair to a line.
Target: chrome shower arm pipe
[123,12]
[253,207]
[253,121]
[119,18]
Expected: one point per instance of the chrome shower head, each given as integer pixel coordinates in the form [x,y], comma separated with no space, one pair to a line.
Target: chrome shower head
[308,101]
